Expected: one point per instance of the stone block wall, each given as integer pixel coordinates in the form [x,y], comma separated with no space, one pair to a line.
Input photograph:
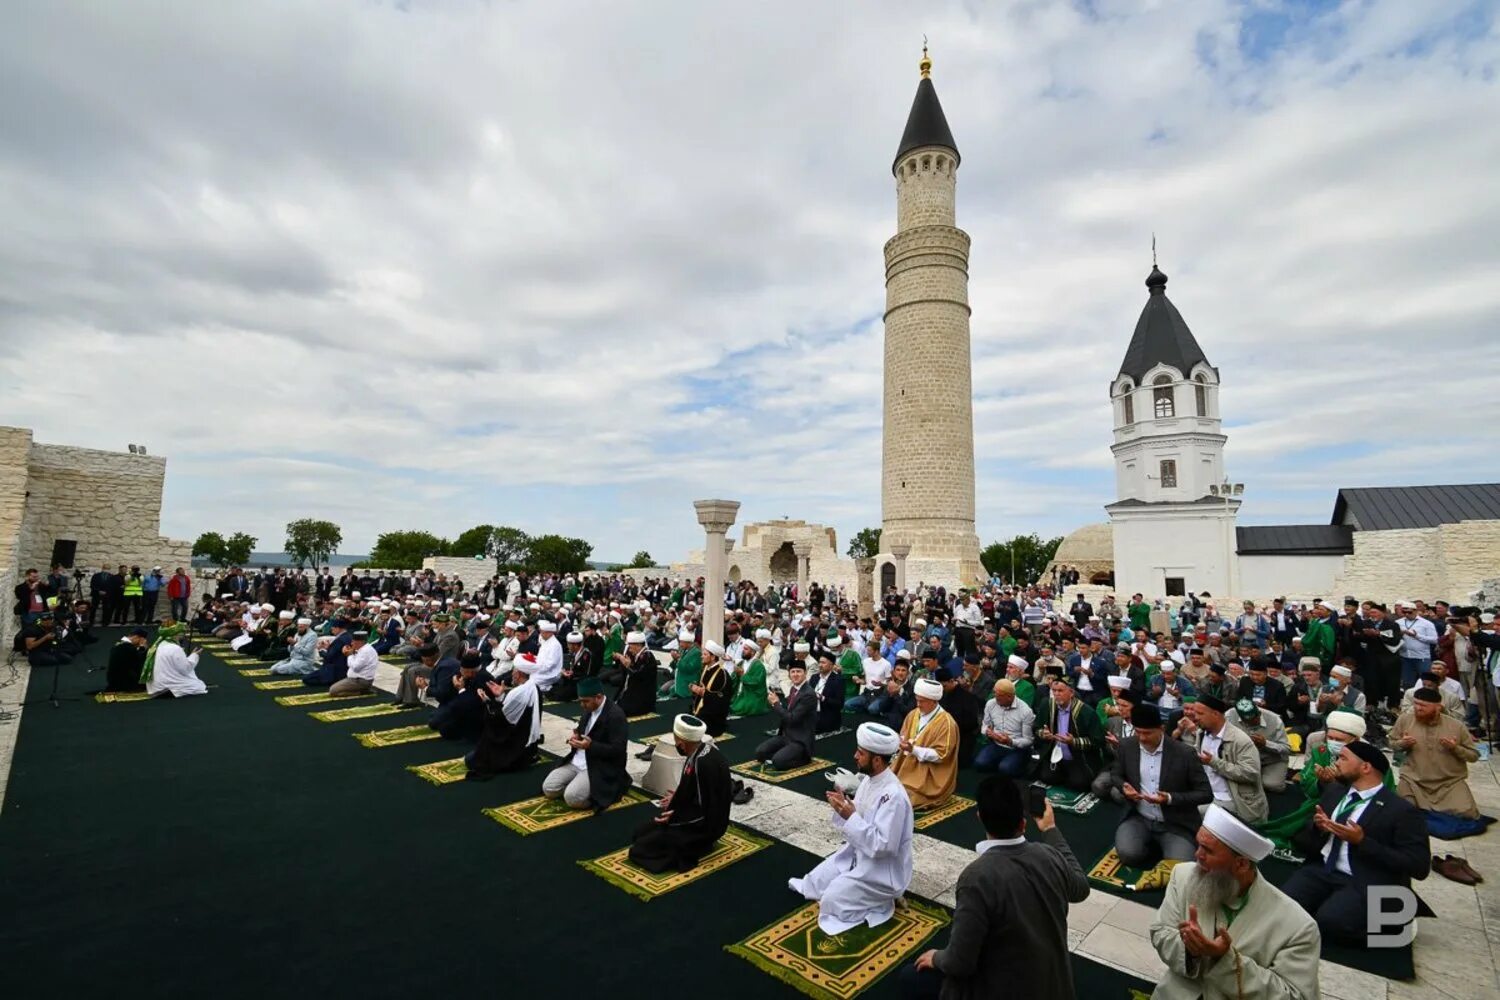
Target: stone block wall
[1470,553]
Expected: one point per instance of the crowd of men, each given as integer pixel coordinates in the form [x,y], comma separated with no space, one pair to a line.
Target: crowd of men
[1185,721]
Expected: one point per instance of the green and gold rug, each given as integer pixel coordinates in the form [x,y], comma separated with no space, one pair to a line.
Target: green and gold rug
[1109,870]
[765,772]
[257,672]
[319,698]
[955,805]
[441,772]
[286,685]
[642,718]
[617,870]
[541,813]
[395,737]
[110,697]
[359,712]
[795,951]
[1067,800]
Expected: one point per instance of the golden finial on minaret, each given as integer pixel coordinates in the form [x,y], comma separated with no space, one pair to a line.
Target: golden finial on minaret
[926,64]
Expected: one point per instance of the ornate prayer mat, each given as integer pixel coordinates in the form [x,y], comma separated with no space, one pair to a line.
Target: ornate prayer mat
[258,672]
[441,772]
[541,813]
[650,741]
[395,737]
[1067,800]
[109,697]
[936,814]
[1108,870]
[795,951]
[279,685]
[359,712]
[765,772]
[319,698]
[617,870]
[642,718]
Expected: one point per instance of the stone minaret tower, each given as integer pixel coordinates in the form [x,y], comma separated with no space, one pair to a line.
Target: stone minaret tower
[927,455]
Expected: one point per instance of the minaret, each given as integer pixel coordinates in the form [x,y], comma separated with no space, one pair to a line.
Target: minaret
[927,454]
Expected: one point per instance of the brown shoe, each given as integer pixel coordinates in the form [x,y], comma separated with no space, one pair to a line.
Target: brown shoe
[1468,869]
[1451,871]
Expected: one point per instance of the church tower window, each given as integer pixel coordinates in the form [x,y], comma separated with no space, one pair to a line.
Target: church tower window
[1200,390]
[1169,473]
[1162,397]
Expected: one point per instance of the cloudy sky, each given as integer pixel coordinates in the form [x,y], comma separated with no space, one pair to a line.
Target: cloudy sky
[571,266]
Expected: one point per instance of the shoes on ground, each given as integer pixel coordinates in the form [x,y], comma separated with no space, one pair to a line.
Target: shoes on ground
[1454,870]
[646,753]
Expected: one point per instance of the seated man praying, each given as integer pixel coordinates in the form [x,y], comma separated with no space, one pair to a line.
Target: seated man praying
[695,814]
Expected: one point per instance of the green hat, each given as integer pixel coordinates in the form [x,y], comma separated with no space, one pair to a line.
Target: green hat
[442,618]
[589,687]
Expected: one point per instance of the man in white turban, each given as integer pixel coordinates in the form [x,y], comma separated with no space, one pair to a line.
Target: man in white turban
[861,881]
[928,764]
[1224,931]
[302,658]
[695,814]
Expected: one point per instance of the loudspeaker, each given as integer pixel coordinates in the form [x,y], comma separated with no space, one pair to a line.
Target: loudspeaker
[63,551]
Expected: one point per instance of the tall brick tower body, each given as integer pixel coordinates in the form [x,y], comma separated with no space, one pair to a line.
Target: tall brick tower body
[927,454]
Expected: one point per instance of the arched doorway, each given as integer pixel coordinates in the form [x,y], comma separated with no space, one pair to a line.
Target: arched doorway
[734,573]
[784,564]
[887,576]
[1102,579]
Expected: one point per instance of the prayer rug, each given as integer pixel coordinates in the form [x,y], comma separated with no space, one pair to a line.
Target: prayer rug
[1108,870]
[259,672]
[395,737]
[642,718]
[279,685]
[441,772]
[795,951]
[617,870]
[319,698]
[1067,800]
[541,813]
[359,712]
[765,772]
[109,697]
[650,741]
[955,805]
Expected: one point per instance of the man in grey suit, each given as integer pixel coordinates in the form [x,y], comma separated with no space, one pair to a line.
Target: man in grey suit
[1010,928]
[1162,785]
[792,746]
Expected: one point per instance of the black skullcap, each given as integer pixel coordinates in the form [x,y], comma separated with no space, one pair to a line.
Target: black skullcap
[1209,701]
[428,650]
[1216,668]
[140,632]
[1427,694]
[1370,755]
[1428,675]
[1145,716]
[973,658]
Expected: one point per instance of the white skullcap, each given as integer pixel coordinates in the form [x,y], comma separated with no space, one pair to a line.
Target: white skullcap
[1347,722]
[1238,837]
[834,642]
[928,688]
[1168,665]
[762,633]
[1119,682]
[801,647]
[1017,661]
[526,663]
[877,738]
[268,607]
[304,621]
[575,636]
[533,606]
[547,626]
[338,600]
[687,635]
[921,621]
[287,616]
[635,638]
[690,728]
[709,646]
[903,654]
[1342,671]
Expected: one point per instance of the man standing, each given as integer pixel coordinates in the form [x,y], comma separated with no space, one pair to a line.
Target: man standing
[1418,637]
[179,589]
[1361,835]
[594,775]
[695,814]
[1010,928]
[1319,639]
[1224,931]
[151,589]
[1163,786]
[860,882]
[792,746]
[31,598]
[928,763]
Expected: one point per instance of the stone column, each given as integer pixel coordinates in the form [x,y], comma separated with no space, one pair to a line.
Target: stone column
[900,552]
[803,551]
[717,517]
[864,590]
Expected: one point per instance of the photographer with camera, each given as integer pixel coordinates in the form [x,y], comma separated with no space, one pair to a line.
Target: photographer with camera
[39,641]
[31,598]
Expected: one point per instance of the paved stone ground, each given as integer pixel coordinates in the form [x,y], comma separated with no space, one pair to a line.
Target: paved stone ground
[1457,953]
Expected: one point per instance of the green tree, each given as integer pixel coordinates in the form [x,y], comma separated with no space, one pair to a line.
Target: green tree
[237,548]
[509,547]
[865,544]
[1023,559]
[556,554]
[310,541]
[642,560]
[405,549]
[210,546]
[474,542]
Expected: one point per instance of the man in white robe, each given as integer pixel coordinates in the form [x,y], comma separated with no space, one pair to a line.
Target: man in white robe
[549,657]
[168,669]
[861,881]
[303,656]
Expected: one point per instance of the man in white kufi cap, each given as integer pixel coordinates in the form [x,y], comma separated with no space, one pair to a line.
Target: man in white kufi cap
[1225,931]
[696,813]
[512,722]
[687,668]
[549,656]
[861,881]
[302,656]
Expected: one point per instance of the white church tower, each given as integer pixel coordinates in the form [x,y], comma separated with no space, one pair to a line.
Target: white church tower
[1174,521]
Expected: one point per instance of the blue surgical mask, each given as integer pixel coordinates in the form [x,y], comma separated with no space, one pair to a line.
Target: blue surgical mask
[1336,747]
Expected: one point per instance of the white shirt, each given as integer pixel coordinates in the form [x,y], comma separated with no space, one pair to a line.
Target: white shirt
[1210,744]
[927,755]
[174,671]
[362,663]
[877,672]
[985,845]
[1419,646]
[578,759]
[549,663]
[1334,843]
[969,616]
[1150,782]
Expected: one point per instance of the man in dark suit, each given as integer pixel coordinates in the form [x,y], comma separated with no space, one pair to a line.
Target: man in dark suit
[1268,693]
[1284,622]
[593,775]
[829,686]
[792,746]
[1362,834]
[1162,785]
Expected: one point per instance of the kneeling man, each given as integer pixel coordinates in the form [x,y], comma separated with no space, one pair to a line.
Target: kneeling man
[695,814]
[594,776]
[928,765]
[861,881]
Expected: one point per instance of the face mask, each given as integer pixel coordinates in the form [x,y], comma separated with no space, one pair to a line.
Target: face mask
[1335,747]
[1334,682]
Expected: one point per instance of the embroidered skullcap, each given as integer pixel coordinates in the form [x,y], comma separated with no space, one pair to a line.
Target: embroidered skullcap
[1235,835]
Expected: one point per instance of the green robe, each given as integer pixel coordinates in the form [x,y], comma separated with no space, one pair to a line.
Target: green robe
[751,699]
[570,596]
[1319,641]
[1140,616]
[1026,691]
[675,601]
[1282,829]
[613,643]
[1008,646]
[851,665]
[689,671]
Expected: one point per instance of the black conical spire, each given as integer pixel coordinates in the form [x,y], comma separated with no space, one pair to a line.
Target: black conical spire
[1161,335]
[926,125]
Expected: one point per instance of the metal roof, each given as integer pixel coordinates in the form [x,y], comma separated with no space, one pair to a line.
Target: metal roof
[1295,540]
[1383,508]
[926,125]
[1161,335]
